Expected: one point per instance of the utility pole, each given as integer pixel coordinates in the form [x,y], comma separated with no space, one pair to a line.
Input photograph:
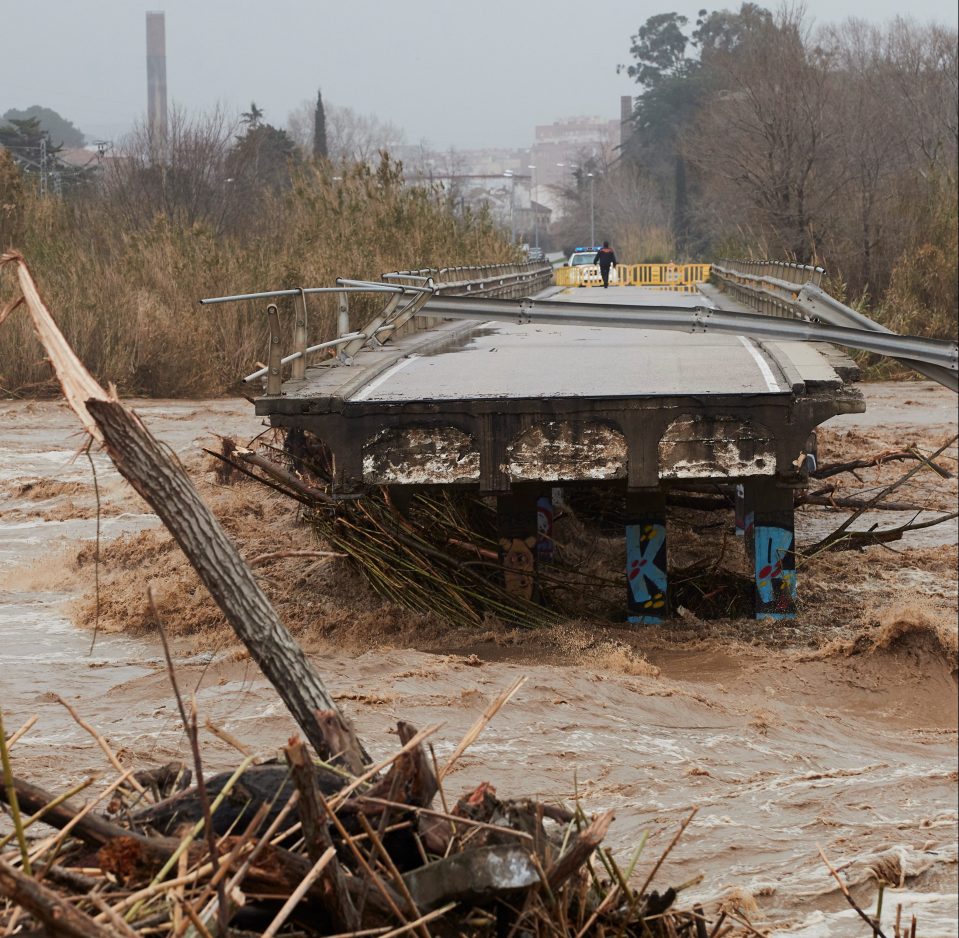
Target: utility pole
[592,214]
[512,220]
[532,167]
[43,167]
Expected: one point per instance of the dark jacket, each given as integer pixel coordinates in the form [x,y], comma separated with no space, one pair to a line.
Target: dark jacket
[606,257]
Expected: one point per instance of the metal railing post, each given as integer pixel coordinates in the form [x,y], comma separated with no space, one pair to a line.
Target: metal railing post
[343,314]
[298,365]
[274,377]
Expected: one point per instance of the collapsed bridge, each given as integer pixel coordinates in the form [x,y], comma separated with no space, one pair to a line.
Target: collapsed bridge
[516,388]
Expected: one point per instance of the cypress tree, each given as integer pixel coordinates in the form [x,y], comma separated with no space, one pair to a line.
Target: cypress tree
[319,128]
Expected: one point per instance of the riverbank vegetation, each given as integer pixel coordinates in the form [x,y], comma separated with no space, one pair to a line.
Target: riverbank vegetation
[757,135]
[124,254]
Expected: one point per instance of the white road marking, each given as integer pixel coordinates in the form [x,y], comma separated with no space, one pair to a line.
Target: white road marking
[764,368]
[385,376]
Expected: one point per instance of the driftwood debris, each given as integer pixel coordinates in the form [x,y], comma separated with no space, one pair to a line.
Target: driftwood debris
[323,855]
[845,538]
[58,915]
[163,483]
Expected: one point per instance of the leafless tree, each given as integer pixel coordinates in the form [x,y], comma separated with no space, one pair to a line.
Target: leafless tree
[180,177]
[771,132]
[634,216]
[351,137]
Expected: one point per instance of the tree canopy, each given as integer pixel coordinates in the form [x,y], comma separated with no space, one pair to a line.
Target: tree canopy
[760,132]
[60,131]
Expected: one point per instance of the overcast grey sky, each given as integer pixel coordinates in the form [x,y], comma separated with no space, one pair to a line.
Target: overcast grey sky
[454,73]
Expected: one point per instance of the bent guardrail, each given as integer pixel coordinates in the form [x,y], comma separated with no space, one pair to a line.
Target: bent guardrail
[803,312]
[794,291]
[408,290]
[938,352]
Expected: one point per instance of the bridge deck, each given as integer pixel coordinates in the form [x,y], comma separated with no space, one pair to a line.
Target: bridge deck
[492,360]
[457,402]
[578,361]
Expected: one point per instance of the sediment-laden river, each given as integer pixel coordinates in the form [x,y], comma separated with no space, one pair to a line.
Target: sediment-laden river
[848,743]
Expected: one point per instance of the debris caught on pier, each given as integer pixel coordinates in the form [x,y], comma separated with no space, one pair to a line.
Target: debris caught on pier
[438,552]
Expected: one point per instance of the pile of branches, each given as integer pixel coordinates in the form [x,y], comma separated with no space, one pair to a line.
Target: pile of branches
[294,846]
[437,554]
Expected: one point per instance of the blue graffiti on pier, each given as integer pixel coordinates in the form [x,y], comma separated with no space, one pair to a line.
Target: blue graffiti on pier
[646,571]
[775,572]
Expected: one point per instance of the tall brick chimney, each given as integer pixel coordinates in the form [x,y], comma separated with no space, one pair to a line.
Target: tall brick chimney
[156,75]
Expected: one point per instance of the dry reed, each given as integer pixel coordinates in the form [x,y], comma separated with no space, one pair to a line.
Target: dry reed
[126,291]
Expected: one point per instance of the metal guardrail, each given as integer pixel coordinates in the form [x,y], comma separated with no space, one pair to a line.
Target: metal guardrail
[798,310]
[408,290]
[794,291]
[704,319]
[682,278]
[770,287]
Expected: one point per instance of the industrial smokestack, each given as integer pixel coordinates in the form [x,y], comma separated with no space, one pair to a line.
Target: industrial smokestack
[156,76]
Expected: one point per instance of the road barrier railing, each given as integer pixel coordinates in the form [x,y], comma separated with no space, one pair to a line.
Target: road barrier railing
[770,287]
[794,291]
[796,310]
[682,278]
[406,292]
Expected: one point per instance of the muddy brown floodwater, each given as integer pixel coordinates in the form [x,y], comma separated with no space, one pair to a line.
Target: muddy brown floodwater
[839,731]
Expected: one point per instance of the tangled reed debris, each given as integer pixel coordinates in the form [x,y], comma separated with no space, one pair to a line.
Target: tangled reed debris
[293,846]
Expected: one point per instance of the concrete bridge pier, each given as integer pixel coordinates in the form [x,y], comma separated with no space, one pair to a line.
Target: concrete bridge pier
[771,545]
[517,524]
[647,589]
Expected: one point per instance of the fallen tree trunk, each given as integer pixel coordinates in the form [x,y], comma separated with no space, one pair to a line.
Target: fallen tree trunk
[165,486]
[93,829]
[163,483]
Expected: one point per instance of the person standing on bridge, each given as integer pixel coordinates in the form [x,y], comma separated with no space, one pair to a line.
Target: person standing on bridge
[606,258]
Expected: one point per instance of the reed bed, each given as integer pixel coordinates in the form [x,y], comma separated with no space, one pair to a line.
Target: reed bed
[126,284]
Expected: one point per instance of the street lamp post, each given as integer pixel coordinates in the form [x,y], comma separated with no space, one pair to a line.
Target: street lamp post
[532,206]
[592,214]
[512,221]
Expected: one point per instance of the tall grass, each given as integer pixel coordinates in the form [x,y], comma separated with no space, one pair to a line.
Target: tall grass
[126,294]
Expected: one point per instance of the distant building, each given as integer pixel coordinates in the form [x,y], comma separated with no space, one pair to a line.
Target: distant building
[508,196]
[561,146]
[519,185]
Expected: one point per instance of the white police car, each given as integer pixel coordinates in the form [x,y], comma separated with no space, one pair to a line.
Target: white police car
[586,273]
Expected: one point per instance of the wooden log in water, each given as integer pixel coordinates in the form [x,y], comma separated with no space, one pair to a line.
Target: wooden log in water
[165,486]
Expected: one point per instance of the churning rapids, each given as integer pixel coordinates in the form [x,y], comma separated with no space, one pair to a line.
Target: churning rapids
[848,742]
